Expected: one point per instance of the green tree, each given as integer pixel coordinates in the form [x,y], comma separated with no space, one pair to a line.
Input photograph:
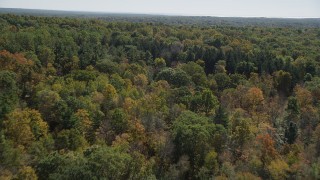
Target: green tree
[246,68]
[84,124]
[241,133]
[283,82]
[204,102]
[210,102]
[64,166]
[175,77]
[119,121]
[45,55]
[316,140]
[10,155]
[160,63]
[211,165]
[193,136]
[196,72]
[108,163]
[222,117]
[291,132]
[46,99]
[107,66]
[223,81]
[8,92]
[70,139]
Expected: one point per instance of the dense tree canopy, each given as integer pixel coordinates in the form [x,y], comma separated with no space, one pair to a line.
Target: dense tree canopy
[88,98]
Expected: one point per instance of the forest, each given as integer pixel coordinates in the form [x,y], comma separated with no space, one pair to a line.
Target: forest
[199,21]
[92,98]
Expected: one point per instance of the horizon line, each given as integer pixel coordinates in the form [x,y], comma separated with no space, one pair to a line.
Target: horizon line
[160,14]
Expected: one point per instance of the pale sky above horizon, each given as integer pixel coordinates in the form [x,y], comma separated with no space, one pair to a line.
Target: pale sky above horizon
[227,8]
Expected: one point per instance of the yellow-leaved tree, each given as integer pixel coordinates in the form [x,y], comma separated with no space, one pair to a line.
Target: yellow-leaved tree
[84,124]
[25,126]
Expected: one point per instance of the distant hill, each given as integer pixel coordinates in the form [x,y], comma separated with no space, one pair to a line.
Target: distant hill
[173,20]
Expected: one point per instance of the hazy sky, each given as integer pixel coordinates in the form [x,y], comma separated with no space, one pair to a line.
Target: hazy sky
[243,8]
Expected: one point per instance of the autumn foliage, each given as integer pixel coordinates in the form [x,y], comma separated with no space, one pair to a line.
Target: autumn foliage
[86,98]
